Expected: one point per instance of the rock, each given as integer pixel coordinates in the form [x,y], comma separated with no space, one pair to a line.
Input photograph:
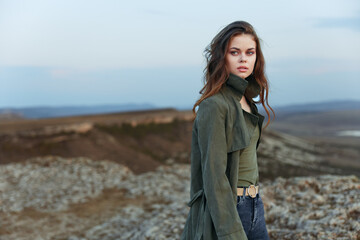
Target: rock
[78,199]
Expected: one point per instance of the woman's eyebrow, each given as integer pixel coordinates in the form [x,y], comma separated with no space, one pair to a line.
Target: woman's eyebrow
[239,48]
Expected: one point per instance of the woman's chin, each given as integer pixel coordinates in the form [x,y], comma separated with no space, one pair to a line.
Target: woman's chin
[242,75]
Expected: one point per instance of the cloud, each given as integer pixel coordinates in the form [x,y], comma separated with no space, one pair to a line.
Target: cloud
[347,23]
[312,66]
[60,73]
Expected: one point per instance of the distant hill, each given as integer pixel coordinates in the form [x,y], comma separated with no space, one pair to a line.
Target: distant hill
[321,119]
[9,115]
[320,106]
[64,111]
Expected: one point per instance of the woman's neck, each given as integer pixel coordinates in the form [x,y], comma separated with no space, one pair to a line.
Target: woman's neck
[245,105]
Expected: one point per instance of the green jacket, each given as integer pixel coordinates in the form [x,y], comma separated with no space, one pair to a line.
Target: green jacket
[219,133]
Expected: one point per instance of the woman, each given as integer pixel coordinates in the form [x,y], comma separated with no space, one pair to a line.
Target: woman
[225,201]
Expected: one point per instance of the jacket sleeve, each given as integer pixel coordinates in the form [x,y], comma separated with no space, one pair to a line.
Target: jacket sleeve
[218,193]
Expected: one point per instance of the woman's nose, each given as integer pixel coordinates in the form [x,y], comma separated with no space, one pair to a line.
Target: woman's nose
[242,58]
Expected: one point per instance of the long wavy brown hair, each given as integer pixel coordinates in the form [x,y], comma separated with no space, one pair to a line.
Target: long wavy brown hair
[216,73]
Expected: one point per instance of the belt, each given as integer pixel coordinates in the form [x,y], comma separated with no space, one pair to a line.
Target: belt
[252,190]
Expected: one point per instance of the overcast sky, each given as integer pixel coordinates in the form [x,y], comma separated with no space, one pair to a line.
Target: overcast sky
[55,53]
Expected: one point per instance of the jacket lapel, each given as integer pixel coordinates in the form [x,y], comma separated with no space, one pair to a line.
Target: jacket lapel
[239,134]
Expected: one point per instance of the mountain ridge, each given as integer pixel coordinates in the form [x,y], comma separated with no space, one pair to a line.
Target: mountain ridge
[63,111]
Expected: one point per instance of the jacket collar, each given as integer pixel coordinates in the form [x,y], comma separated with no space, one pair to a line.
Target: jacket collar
[237,84]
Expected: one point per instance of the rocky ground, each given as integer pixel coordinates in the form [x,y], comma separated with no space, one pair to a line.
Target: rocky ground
[78,199]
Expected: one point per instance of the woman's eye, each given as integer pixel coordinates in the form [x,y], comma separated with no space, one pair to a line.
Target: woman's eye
[234,53]
[251,53]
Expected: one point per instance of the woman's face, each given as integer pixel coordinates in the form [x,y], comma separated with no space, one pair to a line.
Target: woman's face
[241,55]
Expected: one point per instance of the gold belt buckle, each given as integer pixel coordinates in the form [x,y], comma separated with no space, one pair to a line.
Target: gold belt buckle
[252,191]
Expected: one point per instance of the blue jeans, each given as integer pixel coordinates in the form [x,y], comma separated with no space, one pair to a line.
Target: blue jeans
[251,213]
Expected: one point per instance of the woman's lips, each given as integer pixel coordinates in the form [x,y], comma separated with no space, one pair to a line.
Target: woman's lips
[242,69]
